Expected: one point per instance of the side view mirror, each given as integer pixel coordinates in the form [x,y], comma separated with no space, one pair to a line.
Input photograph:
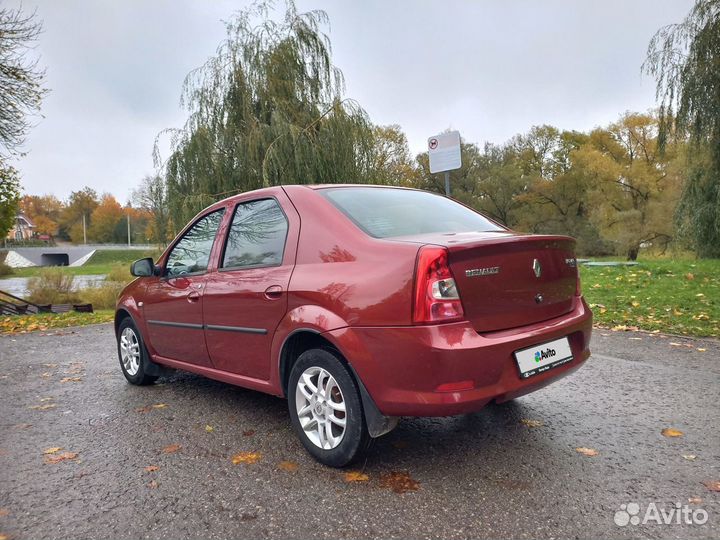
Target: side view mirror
[143,267]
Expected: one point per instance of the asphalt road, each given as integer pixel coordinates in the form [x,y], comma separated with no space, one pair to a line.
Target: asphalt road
[484,475]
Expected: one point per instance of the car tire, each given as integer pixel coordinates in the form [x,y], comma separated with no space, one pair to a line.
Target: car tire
[315,415]
[132,354]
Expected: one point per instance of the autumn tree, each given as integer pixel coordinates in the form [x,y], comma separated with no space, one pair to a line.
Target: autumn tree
[267,109]
[635,187]
[107,221]
[80,204]
[44,211]
[151,197]
[390,160]
[685,59]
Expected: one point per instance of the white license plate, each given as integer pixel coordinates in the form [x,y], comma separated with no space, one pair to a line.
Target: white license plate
[540,358]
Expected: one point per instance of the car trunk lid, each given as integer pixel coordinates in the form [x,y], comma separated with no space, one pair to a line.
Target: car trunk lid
[507,280]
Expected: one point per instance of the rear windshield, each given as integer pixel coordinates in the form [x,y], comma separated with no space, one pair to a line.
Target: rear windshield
[388,212]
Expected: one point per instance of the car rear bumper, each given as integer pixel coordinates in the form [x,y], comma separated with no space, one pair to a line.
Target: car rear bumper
[402,367]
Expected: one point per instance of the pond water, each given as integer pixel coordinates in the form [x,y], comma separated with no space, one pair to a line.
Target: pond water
[18,285]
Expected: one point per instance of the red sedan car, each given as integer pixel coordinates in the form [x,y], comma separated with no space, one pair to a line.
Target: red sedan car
[359,304]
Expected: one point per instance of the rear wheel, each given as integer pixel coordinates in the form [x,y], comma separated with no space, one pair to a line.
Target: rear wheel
[326,409]
[132,354]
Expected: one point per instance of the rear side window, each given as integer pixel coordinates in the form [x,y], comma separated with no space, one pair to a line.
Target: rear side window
[256,236]
[388,212]
[192,252]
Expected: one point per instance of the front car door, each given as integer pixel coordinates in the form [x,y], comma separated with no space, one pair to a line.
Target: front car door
[246,298]
[173,302]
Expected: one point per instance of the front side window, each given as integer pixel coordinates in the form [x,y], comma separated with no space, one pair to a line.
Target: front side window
[191,254]
[256,236]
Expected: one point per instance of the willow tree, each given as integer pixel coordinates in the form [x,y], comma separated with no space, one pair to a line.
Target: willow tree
[267,109]
[685,59]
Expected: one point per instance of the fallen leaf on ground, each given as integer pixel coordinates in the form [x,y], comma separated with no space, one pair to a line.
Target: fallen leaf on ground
[50,365]
[589,452]
[209,428]
[672,432]
[356,476]
[153,484]
[43,400]
[694,500]
[171,449]
[701,349]
[712,486]
[689,457]
[249,433]
[159,406]
[45,375]
[43,407]
[22,426]
[71,379]
[531,423]
[145,409]
[53,450]
[151,468]
[289,466]
[399,482]
[246,457]
[4,512]
[674,344]
[4,537]
[65,456]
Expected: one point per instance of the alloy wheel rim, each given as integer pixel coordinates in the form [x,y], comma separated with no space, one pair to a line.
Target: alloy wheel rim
[130,351]
[320,406]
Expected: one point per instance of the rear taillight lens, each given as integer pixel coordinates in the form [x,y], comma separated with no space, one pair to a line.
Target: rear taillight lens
[436,295]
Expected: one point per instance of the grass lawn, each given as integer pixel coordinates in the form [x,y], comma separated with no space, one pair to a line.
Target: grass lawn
[19,324]
[100,263]
[678,297]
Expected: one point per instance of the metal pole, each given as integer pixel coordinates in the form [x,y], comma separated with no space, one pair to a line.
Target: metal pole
[128,216]
[84,231]
[447,183]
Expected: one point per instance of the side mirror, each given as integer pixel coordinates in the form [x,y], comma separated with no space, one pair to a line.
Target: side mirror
[143,267]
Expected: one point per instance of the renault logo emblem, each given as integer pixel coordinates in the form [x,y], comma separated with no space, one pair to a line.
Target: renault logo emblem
[537,268]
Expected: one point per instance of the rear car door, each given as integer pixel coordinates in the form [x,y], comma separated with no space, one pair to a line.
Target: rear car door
[173,302]
[246,298]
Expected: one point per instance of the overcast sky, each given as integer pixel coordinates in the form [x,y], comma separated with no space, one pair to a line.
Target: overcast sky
[490,69]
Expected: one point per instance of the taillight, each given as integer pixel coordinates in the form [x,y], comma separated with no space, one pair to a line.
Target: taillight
[436,295]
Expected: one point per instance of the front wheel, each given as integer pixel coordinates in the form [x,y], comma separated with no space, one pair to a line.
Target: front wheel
[326,410]
[133,354]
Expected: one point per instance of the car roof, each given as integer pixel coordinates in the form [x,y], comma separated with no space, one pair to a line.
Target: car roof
[272,189]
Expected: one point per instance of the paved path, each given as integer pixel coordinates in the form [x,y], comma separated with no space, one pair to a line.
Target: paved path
[481,475]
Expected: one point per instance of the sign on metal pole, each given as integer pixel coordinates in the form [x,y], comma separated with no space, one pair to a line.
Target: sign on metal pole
[444,154]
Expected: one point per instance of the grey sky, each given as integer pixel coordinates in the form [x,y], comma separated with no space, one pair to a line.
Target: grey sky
[490,69]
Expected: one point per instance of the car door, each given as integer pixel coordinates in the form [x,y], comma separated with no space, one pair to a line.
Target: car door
[246,298]
[173,302]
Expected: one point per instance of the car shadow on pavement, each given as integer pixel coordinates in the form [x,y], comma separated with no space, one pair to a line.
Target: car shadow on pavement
[417,443]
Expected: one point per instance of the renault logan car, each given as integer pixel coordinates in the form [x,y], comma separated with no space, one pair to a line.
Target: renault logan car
[359,304]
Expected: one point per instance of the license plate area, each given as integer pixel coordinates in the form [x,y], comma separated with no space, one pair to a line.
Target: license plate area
[543,357]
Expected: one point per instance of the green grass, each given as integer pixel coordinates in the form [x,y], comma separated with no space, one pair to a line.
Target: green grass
[678,297]
[20,324]
[101,263]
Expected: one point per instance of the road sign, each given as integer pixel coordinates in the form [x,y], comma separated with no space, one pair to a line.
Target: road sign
[444,152]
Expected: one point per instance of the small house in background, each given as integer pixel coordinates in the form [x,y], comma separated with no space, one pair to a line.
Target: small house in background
[22,229]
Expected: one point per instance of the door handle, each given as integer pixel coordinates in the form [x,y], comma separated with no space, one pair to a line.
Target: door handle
[273,292]
[193,296]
